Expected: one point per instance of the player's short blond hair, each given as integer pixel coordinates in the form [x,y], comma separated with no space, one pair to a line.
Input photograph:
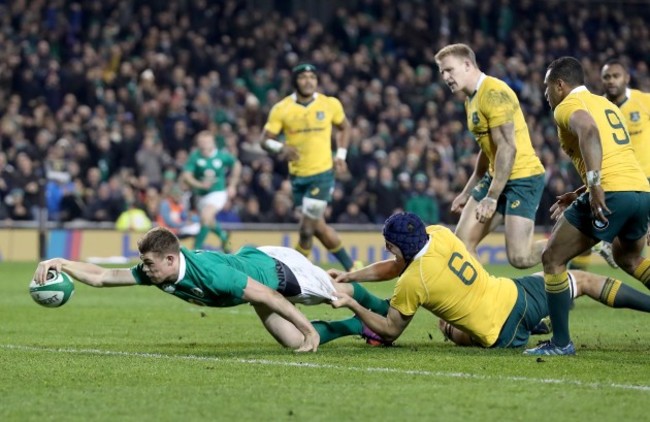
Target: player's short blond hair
[458,50]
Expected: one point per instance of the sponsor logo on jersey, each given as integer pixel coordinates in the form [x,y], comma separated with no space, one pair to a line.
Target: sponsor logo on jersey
[320,115]
[217,163]
[314,191]
[475,118]
[515,204]
[197,292]
[635,116]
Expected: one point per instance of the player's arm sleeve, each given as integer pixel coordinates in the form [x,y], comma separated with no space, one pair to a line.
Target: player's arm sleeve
[406,298]
[338,114]
[274,122]
[190,165]
[562,114]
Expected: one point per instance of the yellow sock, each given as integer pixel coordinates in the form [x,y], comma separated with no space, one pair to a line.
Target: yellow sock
[580,262]
[335,249]
[302,250]
[609,292]
[556,283]
[642,272]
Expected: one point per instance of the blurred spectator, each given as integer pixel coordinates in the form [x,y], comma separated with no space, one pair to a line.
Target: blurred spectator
[353,215]
[175,214]
[133,218]
[105,77]
[422,203]
[102,207]
[281,210]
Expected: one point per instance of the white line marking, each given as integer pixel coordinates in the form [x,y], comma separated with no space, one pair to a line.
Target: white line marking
[438,374]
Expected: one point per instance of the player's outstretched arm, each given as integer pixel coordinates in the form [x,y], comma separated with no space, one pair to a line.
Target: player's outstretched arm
[258,294]
[379,271]
[90,274]
[389,327]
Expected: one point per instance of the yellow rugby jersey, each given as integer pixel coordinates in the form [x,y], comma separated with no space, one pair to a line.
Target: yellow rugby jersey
[308,128]
[636,111]
[495,104]
[448,281]
[620,170]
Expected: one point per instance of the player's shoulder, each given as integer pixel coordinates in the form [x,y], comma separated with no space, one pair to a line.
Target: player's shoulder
[495,91]
[491,82]
[639,96]
[284,103]
[327,99]
[439,231]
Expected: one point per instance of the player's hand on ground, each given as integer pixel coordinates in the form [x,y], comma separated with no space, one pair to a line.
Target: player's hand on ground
[40,276]
[310,343]
[597,202]
[562,202]
[459,203]
[485,209]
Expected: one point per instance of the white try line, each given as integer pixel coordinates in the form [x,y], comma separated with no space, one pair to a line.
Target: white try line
[435,374]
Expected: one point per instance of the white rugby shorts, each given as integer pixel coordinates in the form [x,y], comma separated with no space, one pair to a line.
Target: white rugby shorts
[315,284]
[217,199]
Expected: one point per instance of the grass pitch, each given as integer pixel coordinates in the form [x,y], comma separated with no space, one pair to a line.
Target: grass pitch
[139,354]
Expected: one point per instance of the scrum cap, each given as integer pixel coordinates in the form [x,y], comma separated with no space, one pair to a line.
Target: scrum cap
[301,68]
[406,231]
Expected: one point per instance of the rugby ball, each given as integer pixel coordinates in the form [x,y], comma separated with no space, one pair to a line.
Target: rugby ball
[56,291]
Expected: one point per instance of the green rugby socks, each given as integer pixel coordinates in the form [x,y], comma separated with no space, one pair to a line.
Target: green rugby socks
[369,301]
[558,296]
[616,294]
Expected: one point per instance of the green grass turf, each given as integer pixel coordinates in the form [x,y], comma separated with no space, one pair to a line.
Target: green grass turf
[139,354]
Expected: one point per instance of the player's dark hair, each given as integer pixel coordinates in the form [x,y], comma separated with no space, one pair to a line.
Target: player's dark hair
[615,61]
[159,240]
[567,69]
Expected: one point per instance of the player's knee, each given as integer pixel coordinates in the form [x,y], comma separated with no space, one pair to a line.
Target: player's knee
[519,261]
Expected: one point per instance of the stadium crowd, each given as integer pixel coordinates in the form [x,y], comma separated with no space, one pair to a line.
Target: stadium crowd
[103,98]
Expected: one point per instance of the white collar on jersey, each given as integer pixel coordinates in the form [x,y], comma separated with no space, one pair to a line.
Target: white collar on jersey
[480,81]
[579,89]
[424,249]
[294,97]
[182,267]
[628,93]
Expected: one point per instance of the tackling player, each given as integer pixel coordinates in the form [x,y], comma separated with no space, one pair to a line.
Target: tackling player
[437,272]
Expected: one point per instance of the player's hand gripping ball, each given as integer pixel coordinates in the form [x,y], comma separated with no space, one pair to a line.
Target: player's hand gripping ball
[56,291]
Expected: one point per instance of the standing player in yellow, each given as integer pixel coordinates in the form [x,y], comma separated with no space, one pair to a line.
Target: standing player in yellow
[508,179]
[306,118]
[635,106]
[437,272]
[614,206]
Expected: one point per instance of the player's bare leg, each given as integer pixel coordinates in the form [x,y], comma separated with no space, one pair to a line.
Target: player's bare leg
[282,330]
[522,250]
[470,231]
